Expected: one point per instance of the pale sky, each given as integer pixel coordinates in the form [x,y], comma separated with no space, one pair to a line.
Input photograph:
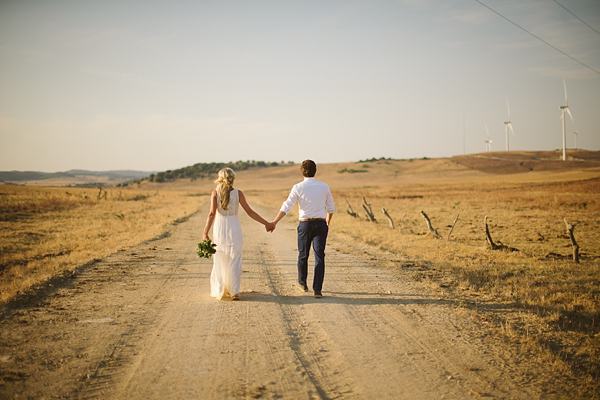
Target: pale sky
[157,85]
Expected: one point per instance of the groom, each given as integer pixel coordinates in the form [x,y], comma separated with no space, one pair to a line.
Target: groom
[315,210]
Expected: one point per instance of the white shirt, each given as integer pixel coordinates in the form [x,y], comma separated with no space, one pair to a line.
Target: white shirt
[314,199]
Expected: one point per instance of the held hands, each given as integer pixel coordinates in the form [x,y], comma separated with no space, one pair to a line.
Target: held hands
[270,226]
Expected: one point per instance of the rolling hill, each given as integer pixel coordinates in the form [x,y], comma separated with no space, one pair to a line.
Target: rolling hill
[73,177]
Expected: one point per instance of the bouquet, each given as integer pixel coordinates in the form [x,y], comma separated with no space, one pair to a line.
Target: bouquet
[206,248]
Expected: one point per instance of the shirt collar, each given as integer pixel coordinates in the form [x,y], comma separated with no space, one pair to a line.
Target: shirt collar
[307,178]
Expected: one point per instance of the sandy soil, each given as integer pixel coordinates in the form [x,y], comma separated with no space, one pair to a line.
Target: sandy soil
[140,325]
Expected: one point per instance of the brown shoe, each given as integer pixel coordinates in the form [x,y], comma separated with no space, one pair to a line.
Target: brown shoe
[318,295]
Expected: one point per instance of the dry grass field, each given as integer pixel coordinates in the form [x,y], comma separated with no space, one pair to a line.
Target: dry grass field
[550,302]
[48,231]
[536,296]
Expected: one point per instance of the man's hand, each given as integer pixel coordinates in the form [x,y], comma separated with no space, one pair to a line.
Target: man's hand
[270,227]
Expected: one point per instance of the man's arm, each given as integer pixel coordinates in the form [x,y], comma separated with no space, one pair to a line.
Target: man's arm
[286,206]
[278,218]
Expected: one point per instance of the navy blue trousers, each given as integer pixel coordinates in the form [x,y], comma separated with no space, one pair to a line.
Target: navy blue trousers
[312,233]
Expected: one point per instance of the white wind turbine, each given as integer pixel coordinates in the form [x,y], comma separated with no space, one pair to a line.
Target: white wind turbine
[565,109]
[488,142]
[508,125]
[575,133]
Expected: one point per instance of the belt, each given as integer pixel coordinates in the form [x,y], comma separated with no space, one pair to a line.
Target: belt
[311,219]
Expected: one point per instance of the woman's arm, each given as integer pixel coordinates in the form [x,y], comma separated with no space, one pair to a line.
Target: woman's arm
[253,214]
[211,214]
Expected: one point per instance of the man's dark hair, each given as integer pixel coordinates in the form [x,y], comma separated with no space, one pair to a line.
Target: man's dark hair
[308,168]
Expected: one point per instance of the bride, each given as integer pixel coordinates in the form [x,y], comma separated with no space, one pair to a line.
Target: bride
[226,274]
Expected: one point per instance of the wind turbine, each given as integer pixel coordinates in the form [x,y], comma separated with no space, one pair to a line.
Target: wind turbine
[488,142]
[508,125]
[575,137]
[565,109]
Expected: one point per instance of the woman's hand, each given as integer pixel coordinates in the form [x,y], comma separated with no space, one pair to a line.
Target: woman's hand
[205,236]
[270,227]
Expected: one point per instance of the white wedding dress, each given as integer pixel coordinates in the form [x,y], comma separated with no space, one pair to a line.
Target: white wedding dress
[226,274]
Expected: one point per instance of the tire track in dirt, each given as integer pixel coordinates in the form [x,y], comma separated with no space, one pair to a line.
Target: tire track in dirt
[307,355]
[103,378]
[318,352]
[343,344]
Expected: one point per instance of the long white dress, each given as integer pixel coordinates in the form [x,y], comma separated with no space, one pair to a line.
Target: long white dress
[226,274]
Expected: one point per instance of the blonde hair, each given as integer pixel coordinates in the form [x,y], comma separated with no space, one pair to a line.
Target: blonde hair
[225,185]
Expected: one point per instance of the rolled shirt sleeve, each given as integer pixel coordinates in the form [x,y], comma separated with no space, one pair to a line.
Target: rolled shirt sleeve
[329,205]
[287,205]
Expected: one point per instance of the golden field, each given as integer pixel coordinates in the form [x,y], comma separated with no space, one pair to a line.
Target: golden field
[48,231]
[536,296]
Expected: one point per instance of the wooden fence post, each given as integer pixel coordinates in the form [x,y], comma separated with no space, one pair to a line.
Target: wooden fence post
[350,210]
[570,229]
[368,210]
[389,218]
[491,243]
[429,227]
[453,225]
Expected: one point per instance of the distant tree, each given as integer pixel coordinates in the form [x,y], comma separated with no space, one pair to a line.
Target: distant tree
[201,170]
[171,175]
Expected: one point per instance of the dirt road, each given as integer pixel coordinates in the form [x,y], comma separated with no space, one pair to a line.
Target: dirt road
[140,325]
